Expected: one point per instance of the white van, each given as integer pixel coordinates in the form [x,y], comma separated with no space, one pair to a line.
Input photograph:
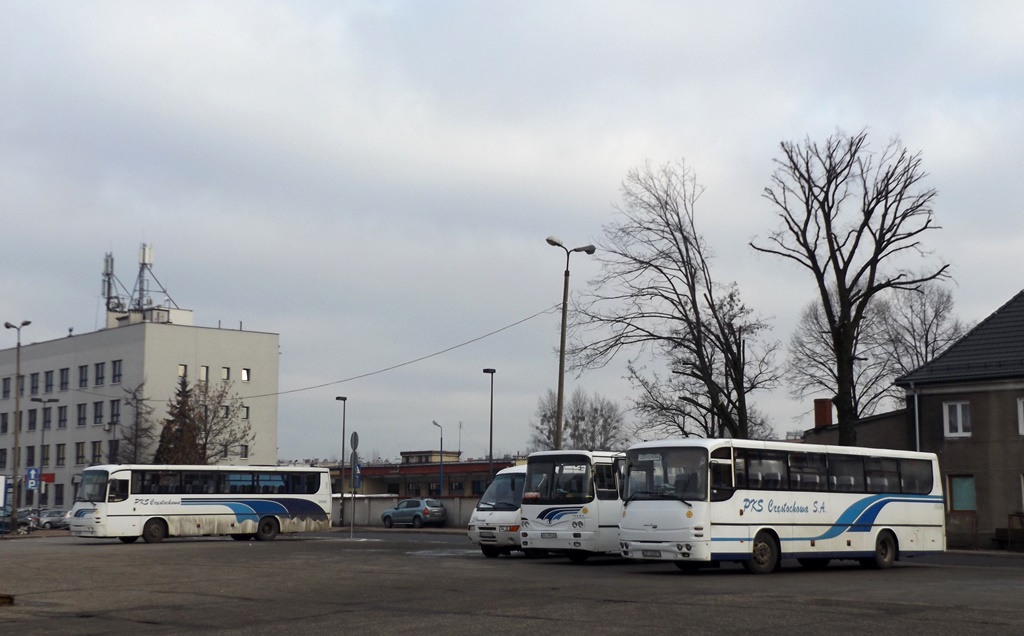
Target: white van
[494,525]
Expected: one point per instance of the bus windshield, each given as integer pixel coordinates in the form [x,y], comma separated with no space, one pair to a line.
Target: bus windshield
[667,473]
[94,486]
[504,493]
[558,480]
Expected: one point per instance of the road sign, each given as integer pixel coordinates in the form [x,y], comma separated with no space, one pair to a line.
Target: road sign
[355,440]
[32,479]
[359,476]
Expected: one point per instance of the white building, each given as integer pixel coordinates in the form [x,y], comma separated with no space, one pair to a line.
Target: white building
[73,391]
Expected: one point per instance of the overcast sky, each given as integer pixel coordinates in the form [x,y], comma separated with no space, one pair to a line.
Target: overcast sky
[374,181]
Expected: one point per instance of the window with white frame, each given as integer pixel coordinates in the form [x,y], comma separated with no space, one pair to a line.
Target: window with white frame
[957,418]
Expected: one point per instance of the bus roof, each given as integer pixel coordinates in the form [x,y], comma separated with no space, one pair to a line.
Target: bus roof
[710,444]
[595,454]
[208,467]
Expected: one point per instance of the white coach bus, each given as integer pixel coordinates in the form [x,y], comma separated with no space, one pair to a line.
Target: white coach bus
[572,503]
[159,501]
[699,502]
[494,524]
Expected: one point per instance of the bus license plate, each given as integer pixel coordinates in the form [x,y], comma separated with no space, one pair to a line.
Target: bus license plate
[651,553]
[548,535]
[487,535]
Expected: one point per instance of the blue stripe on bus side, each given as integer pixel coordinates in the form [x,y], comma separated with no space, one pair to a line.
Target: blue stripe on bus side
[253,509]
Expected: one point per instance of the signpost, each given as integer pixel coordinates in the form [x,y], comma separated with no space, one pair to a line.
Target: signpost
[352,481]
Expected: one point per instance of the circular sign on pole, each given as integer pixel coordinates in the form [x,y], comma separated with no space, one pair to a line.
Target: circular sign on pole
[355,440]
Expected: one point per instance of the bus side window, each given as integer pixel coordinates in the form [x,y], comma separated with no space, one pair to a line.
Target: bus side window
[118,490]
[721,481]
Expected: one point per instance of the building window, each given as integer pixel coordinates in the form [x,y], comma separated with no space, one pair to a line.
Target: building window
[957,416]
[21,385]
[243,452]
[48,382]
[112,451]
[58,495]
[6,388]
[204,373]
[44,455]
[97,412]
[961,493]
[115,372]
[97,452]
[246,375]
[245,412]
[61,454]
[79,453]
[30,456]
[115,411]
[3,458]
[101,373]
[83,376]
[455,486]
[82,411]
[34,384]
[47,417]
[65,379]
[479,486]
[62,417]
[225,373]
[3,423]
[182,370]
[32,419]
[43,494]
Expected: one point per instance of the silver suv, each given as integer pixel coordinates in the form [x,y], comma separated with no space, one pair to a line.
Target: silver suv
[416,513]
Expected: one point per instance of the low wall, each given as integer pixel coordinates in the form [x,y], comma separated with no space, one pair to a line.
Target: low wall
[368,508]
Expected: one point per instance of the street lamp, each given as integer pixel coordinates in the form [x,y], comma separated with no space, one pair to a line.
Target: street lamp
[17,422]
[589,249]
[490,445]
[440,485]
[42,439]
[344,407]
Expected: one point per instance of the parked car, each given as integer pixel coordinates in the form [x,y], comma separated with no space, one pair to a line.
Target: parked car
[28,516]
[416,513]
[53,519]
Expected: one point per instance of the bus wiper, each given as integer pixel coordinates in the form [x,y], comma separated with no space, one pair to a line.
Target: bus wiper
[638,492]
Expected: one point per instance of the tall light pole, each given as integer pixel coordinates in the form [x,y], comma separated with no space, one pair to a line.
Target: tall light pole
[589,249]
[17,423]
[490,444]
[42,441]
[440,485]
[344,407]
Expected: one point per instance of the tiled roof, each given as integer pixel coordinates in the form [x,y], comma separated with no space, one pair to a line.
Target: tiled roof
[993,350]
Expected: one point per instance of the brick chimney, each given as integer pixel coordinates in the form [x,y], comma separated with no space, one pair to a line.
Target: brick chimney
[822,412]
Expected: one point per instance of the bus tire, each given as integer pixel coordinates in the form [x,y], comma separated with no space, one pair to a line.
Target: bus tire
[764,557]
[128,539]
[814,563]
[885,552]
[577,556]
[154,531]
[689,567]
[267,529]
[490,551]
[241,537]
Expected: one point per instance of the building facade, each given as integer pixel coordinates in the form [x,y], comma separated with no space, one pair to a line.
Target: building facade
[73,392]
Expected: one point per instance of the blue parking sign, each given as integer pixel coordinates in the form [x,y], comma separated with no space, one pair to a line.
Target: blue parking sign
[32,479]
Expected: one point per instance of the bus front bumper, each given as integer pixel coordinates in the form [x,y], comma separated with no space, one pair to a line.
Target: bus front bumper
[688,550]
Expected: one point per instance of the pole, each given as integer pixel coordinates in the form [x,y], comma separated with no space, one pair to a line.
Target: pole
[561,359]
[440,485]
[490,443]
[344,402]
[17,425]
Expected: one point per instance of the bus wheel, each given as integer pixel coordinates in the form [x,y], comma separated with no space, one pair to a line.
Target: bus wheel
[490,551]
[267,529]
[815,563]
[765,555]
[689,567]
[885,552]
[154,531]
[128,539]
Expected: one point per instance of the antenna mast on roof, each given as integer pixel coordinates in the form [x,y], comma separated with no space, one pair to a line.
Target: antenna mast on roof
[140,299]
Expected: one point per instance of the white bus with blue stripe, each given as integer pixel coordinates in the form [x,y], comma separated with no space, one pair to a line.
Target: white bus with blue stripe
[701,502]
[159,501]
[571,503]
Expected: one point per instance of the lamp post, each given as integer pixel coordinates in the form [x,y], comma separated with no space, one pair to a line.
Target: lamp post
[17,423]
[589,249]
[344,407]
[42,440]
[440,485]
[490,444]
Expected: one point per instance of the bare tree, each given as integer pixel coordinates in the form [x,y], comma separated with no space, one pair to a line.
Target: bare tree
[917,327]
[656,294]
[591,423]
[848,216]
[138,433]
[220,429]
